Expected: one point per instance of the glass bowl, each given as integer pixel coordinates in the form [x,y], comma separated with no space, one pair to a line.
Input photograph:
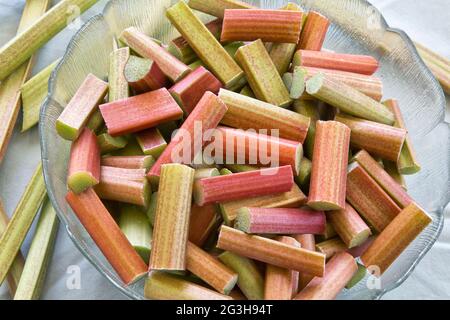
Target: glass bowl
[357,27]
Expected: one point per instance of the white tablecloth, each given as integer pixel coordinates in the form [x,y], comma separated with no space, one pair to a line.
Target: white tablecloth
[425,21]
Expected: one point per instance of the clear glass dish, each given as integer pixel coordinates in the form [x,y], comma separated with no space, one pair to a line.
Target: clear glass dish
[357,27]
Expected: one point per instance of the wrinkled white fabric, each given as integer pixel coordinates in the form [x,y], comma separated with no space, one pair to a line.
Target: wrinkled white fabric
[425,21]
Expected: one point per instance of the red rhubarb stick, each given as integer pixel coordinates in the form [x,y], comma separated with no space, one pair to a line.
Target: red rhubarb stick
[208,113]
[369,199]
[128,162]
[280,221]
[337,61]
[268,25]
[123,173]
[148,48]
[314,32]
[243,185]
[329,166]
[191,89]
[107,235]
[151,141]
[257,149]
[140,112]
[84,163]
[202,222]
[281,284]
[338,272]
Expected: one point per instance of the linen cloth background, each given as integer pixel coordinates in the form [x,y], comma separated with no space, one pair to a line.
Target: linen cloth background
[427,22]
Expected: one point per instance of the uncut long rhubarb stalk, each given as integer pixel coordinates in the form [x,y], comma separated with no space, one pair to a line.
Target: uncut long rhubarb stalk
[369,199]
[34,33]
[439,65]
[128,162]
[373,168]
[33,93]
[84,163]
[243,185]
[209,269]
[107,235]
[152,142]
[191,89]
[250,279]
[164,286]
[15,271]
[371,86]
[339,270]
[307,242]
[140,112]
[172,218]
[10,87]
[407,162]
[221,64]
[291,199]
[337,61]
[208,113]
[271,251]
[24,214]
[282,53]
[180,48]
[144,75]
[349,226]
[39,256]
[82,105]
[248,113]
[379,139]
[348,99]
[217,7]
[282,26]
[281,284]
[262,75]
[148,48]
[257,149]
[280,221]
[329,166]
[394,239]
[314,32]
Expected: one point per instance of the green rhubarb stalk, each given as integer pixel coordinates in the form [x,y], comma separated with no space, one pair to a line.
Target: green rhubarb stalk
[217,7]
[108,143]
[225,171]
[21,220]
[247,91]
[204,44]
[15,272]
[15,52]
[298,83]
[357,277]
[95,122]
[310,109]
[250,279]
[304,174]
[262,75]
[118,85]
[135,224]
[39,255]
[151,212]
[10,87]
[33,93]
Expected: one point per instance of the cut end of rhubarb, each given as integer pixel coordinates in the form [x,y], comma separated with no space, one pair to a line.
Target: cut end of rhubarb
[231,284]
[409,170]
[242,221]
[66,132]
[324,205]
[360,238]
[198,193]
[298,159]
[80,181]
[314,83]
[298,83]
[137,68]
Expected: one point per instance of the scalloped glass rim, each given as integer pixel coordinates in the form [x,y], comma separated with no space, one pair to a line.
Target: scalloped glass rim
[357,27]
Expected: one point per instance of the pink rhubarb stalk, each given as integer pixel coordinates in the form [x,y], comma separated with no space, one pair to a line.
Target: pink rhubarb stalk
[280,221]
